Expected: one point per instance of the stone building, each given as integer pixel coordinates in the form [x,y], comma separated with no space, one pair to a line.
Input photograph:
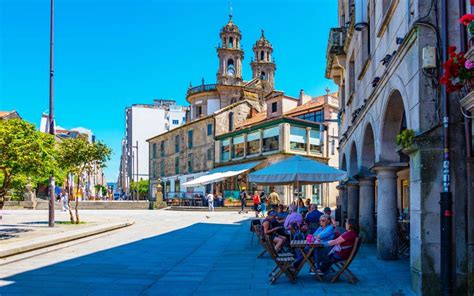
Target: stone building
[386,87]
[186,152]
[289,126]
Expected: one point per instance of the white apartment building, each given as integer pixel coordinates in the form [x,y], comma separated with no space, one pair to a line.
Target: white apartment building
[143,121]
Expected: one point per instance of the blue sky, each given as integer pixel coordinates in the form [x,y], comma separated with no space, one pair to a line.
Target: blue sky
[110,54]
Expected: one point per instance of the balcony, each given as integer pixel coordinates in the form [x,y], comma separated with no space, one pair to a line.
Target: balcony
[337,38]
[201,88]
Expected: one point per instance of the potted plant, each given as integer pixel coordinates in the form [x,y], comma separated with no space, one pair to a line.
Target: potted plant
[405,140]
[457,71]
[468,21]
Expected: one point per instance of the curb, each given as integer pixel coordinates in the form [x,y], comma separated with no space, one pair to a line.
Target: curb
[66,238]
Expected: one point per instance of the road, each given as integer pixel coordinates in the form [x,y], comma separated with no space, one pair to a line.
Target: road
[177,253]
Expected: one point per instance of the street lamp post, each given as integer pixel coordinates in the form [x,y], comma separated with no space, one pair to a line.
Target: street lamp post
[51,114]
[137,180]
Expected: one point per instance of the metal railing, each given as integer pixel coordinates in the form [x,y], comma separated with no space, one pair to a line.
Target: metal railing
[201,88]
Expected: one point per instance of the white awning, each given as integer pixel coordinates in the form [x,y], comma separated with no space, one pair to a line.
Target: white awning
[220,173]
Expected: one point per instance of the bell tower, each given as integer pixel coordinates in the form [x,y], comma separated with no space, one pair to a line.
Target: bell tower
[230,55]
[263,64]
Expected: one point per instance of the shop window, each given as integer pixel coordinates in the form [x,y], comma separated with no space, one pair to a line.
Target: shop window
[271,139]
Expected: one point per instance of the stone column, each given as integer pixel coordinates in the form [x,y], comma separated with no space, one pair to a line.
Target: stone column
[367,208]
[353,199]
[387,240]
[343,198]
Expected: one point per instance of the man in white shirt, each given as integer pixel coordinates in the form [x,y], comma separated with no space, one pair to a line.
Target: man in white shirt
[210,202]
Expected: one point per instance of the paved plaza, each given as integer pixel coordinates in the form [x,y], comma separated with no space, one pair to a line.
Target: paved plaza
[178,253]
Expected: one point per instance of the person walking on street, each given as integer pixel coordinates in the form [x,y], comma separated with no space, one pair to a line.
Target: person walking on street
[64,200]
[274,199]
[263,203]
[256,203]
[243,200]
[210,202]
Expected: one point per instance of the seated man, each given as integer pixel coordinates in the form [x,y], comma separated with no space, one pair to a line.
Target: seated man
[271,228]
[281,214]
[293,217]
[313,216]
[342,246]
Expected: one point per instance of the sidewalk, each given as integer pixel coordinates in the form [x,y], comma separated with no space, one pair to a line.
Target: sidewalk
[23,231]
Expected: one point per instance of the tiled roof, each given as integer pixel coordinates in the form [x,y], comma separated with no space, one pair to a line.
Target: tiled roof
[261,116]
[4,113]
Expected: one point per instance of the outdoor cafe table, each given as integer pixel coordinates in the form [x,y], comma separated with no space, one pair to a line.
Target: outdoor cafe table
[301,245]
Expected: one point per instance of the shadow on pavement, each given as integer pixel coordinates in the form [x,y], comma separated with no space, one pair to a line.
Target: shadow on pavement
[202,259]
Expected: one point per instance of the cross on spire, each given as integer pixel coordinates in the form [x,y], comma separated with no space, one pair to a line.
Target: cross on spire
[230,9]
[263,33]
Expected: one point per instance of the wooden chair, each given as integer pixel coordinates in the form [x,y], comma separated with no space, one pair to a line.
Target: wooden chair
[283,262]
[343,265]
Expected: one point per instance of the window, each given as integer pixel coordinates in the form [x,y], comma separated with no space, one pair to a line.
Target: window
[209,129]
[253,143]
[225,149]
[162,148]
[316,116]
[297,138]
[177,186]
[238,147]
[316,194]
[351,77]
[175,121]
[190,163]
[231,42]
[262,55]
[315,141]
[153,169]
[154,150]
[263,76]
[271,138]
[176,165]
[190,139]
[176,143]
[231,121]
[162,168]
[198,111]
[210,153]
[274,107]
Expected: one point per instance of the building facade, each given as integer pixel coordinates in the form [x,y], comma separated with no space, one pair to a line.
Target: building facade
[289,126]
[143,121]
[214,109]
[379,57]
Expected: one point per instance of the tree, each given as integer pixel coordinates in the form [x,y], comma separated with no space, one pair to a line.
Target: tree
[143,186]
[24,151]
[77,156]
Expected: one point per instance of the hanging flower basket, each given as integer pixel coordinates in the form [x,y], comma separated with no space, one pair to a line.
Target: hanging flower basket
[458,72]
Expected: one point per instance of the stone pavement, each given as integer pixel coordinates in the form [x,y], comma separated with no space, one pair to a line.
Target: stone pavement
[182,253]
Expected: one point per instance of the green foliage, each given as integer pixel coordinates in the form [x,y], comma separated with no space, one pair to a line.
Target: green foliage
[143,186]
[405,138]
[24,152]
[100,188]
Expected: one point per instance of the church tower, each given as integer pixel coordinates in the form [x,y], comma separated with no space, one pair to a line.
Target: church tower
[263,65]
[230,55]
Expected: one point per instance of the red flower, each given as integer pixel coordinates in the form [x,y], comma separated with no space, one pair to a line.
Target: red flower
[467,18]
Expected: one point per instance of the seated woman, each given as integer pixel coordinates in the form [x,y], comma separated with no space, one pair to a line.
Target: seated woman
[272,229]
[293,217]
[325,232]
[281,214]
[342,246]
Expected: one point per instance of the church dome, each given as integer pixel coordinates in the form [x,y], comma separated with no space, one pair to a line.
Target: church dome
[263,42]
[230,27]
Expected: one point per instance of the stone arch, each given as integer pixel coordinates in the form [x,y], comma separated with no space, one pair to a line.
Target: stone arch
[353,163]
[344,163]
[368,149]
[394,120]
